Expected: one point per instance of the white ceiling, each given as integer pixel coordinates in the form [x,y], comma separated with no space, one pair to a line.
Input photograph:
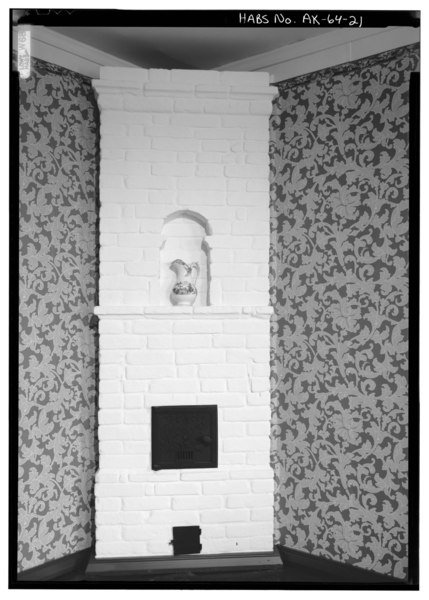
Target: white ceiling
[187,47]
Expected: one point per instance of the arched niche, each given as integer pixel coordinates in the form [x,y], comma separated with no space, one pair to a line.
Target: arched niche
[184,237]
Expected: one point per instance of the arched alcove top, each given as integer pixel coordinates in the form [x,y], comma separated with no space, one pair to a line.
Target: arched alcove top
[192,216]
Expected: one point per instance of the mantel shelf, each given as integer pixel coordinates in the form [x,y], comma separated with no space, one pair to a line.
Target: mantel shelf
[171,312]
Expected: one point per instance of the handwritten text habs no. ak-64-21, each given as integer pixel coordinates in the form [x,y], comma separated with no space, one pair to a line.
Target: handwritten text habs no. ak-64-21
[316,20]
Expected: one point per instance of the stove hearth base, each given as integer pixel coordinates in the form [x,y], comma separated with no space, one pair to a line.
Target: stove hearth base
[115,568]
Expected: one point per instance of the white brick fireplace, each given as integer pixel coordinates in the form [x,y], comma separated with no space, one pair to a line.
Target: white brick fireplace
[184,175]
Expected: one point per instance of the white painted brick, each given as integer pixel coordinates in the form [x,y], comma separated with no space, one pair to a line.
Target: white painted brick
[247,530]
[227,106]
[186,371]
[232,270]
[126,142]
[201,183]
[124,196]
[213,385]
[111,282]
[110,326]
[258,185]
[108,239]
[177,488]
[196,340]
[219,133]
[249,501]
[174,170]
[110,400]
[150,183]
[226,487]
[112,153]
[159,341]
[113,504]
[138,447]
[190,327]
[110,447]
[250,228]
[213,532]
[199,356]
[109,387]
[136,416]
[219,371]
[247,171]
[225,515]
[110,102]
[194,76]
[150,357]
[229,341]
[146,269]
[230,284]
[150,156]
[236,185]
[146,532]
[254,413]
[111,181]
[189,105]
[244,78]
[150,372]
[109,533]
[119,225]
[111,268]
[110,210]
[236,458]
[151,503]
[123,432]
[255,429]
[133,401]
[252,473]
[196,199]
[230,241]
[260,370]
[258,341]
[257,458]
[197,502]
[135,386]
[246,444]
[157,326]
[247,199]
[209,171]
[209,157]
[119,518]
[260,384]
[186,157]
[172,385]
[263,485]
[231,430]
[152,105]
[115,254]
[262,514]
[164,399]
[226,399]
[109,416]
[127,118]
[195,120]
[237,385]
[176,145]
[125,461]
[216,146]
[119,490]
[180,517]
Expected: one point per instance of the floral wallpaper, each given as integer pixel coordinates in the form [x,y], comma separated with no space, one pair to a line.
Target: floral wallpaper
[339,287]
[58,276]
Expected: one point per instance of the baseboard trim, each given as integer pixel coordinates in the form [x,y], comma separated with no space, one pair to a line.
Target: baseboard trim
[57,568]
[116,567]
[333,570]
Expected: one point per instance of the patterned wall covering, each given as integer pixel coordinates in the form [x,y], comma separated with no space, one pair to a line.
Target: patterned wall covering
[58,277]
[339,287]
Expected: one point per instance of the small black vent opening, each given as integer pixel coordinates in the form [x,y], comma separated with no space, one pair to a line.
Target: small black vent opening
[186,540]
